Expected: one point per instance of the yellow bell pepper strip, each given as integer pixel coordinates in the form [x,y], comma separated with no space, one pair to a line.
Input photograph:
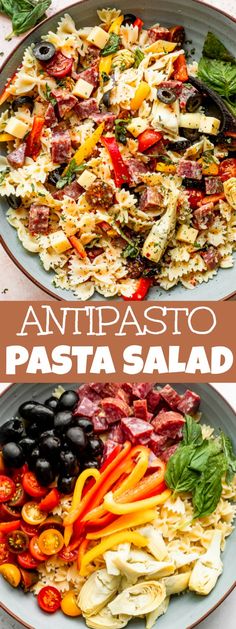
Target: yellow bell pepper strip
[129,507]
[116,24]
[81,552]
[105,62]
[138,472]
[161,46]
[87,147]
[6,137]
[125,522]
[76,499]
[161,167]
[141,93]
[111,541]
[208,167]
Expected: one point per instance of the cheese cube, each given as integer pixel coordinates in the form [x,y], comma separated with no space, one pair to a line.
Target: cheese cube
[187,234]
[16,127]
[86,179]
[83,89]
[137,126]
[209,124]
[59,241]
[98,37]
[190,121]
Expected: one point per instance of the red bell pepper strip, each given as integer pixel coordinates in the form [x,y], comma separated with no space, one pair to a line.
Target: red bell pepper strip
[148,138]
[103,467]
[50,501]
[8,527]
[82,551]
[33,142]
[141,290]
[211,198]
[139,23]
[121,172]
[180,69]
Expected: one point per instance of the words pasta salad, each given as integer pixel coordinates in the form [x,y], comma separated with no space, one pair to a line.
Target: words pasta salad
[120,170]
[113,498]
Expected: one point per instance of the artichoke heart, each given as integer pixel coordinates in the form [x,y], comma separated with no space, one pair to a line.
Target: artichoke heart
[97,591]
[155,544]
[139,599]
[110,557]
[145,566]
[208,568]
[161,233]
[176,583]
[159,611]
[105,620]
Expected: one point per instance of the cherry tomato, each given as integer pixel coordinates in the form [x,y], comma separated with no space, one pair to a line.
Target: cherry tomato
[32,514]
[7,488]
[49,599]
[27,561]
[50,501]
[69,605]
[59,66]
[32,487]
[139,23]
[29,529]
[17,541]
[8,513]
[18,498]
[53,522]
[18,474]
[51,541]
[5,554]
[7,527]
[177,34]
[28,579]
[194,196]
[148,138]
[227,169]
[11,574]
[67,554]
[35,549]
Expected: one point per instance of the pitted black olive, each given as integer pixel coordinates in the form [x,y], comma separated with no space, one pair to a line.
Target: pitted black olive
[44,51]
[194,102]
[166,95]
[23,101]
[129,18]
[13,201]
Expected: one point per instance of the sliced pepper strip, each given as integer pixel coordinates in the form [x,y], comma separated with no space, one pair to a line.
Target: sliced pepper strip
[116,24]
[180,69]
[81,552]
[111,541]
[81,480]
[125,522]
[211,198]
[75,242]
[141,93]
[129,507]
[105,62]
[103,467]
[33,141]
[6,137]
[121,172]
[87,147]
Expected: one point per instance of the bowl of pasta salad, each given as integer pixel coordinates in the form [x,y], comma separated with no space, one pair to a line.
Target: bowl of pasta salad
[118,167]
[117,504]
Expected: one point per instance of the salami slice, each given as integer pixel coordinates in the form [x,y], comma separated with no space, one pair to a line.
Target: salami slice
[136,429]
[190,169]
[153,400]
[65,101]
[61,147]
[150,199]
[91,75]
[168,452]
[73,190]
[141,389]
[114,409]
[116,434]
[213,185]
[50,116]
[86,407]
[157,443]
[211,258]
[136,169]
[158,32]
[39,219]
[16,158]
[203,217]
[87,108]
[140,409]
[100,424]
[108,449]
[170,396]
[168,423]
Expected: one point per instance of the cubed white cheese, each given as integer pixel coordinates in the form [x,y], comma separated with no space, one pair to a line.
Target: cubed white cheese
[209,124]
[137,126]
[187,234]
[16,127]
[59,241]
[98,37]
[83,89]
[190,121]
[86,179]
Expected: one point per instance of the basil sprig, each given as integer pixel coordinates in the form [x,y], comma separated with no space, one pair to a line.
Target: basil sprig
[112,45]
[24,13]
[217,68]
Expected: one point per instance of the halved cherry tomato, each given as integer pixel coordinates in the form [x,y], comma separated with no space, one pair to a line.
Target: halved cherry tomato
[53,522]
[8,513]
[29,529]
[180,69]
[68,554]
[148,138]
[59,66]
[18,498]
[28,579]
[227,169]
[194,196]
[5,554]
[32,486]
[139,23]
[32,514]
[7,527]
[17,541]
[11,574]
[27,561]
[69,605]
[50,501]
[18,474]
[7,488]
[49,599]
[177,34]
[51,541]
[35,549]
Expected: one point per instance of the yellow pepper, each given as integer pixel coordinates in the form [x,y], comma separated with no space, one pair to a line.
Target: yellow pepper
[116,24]
[208,167]
[128,507]
[111,541]
[141,93]
[161,167]
[137,473]
[79,486]
[125,522]
[87,147]
[105,62]
[161,46]
[6,137]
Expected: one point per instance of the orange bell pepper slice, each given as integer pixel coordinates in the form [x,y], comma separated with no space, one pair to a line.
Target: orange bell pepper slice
[112,540]
[139,505]
[75,242]
[33,141]
[81,552]
[211,198]
[76,499]
[180,69]
[125,522]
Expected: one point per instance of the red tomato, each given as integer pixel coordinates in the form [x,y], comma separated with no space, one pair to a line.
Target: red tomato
[148,138]
[8,513]
[141,290]
[50,501]
[5,554]
[7,488]
[194,197]
[227,168]
[49,599]
[35,550]
[29,529]
[67,554]
[27,561]
[18,474]
[19,497]
[32,487]
[139,23]
[7,527]
[59,66]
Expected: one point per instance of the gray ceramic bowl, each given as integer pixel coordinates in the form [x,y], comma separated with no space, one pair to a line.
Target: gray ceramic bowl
[184,611]
[197,19]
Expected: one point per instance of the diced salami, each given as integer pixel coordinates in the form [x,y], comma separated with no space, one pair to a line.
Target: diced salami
[157,443]
[127,387]
[86,407]
[186,92]
[150,199]
[50,116]
[116,434]
[61,147]
[99,423]
[176,86]
[86,108]
[203,217]
[38,219]
[107,117]
[168,423]
[86,391]
[213,185]
[141,389]
[91,75]
[189,403]
[114,409]
[108,449]
[73,190]
[140,409]
[136,429]
[153,400]
[190,169]
[170,396]
[98,387]
[136,169]
[211,258]
[16,158]
[158,32]
[65,101]
[168,452]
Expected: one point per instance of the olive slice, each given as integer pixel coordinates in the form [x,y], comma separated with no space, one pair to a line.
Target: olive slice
[194,102]
[166,95]
[53,178]
[129,18]
[23,101]
[191,134]
[44,51]
[13,201]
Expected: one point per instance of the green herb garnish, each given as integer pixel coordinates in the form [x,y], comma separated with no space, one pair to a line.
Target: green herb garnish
[105,77]
[120,129]
[49,96]
[112,45]
[3,174]
[69,175]
[214,49]
[217,68]
[24,13]
[138,57]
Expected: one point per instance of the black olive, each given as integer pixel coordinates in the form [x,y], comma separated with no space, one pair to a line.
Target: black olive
[13,201]
[106,99]
[90,463]
[42,415]
[66,484]
[62,421]
[194,102]
[179,145]
[96,446]
[13,455]
[51,402]
[166,95]
[47,433]
[68,463]
[129,18]
[12,430]
[27,444]
[44,472]
[76,439]
[23,101]
[33,458]
[33,430]
[193,183]
[55,175]
[67,401]
[191,134]
[86,424]
[50,447]
[25,409]
[44,51]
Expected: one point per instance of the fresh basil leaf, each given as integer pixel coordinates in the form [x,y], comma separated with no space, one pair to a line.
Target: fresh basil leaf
[138,57]
[229,456]
[209,487]
[203,454]
[69,175]
[220,75]
[178,476]
[3,174]
[120,129]
[192,433]
[112,45]
[214,48]
[28,16]
[8,7]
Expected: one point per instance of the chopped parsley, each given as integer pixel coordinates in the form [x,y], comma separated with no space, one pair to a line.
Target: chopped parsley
[120,129]
[49,96]
[71,170]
